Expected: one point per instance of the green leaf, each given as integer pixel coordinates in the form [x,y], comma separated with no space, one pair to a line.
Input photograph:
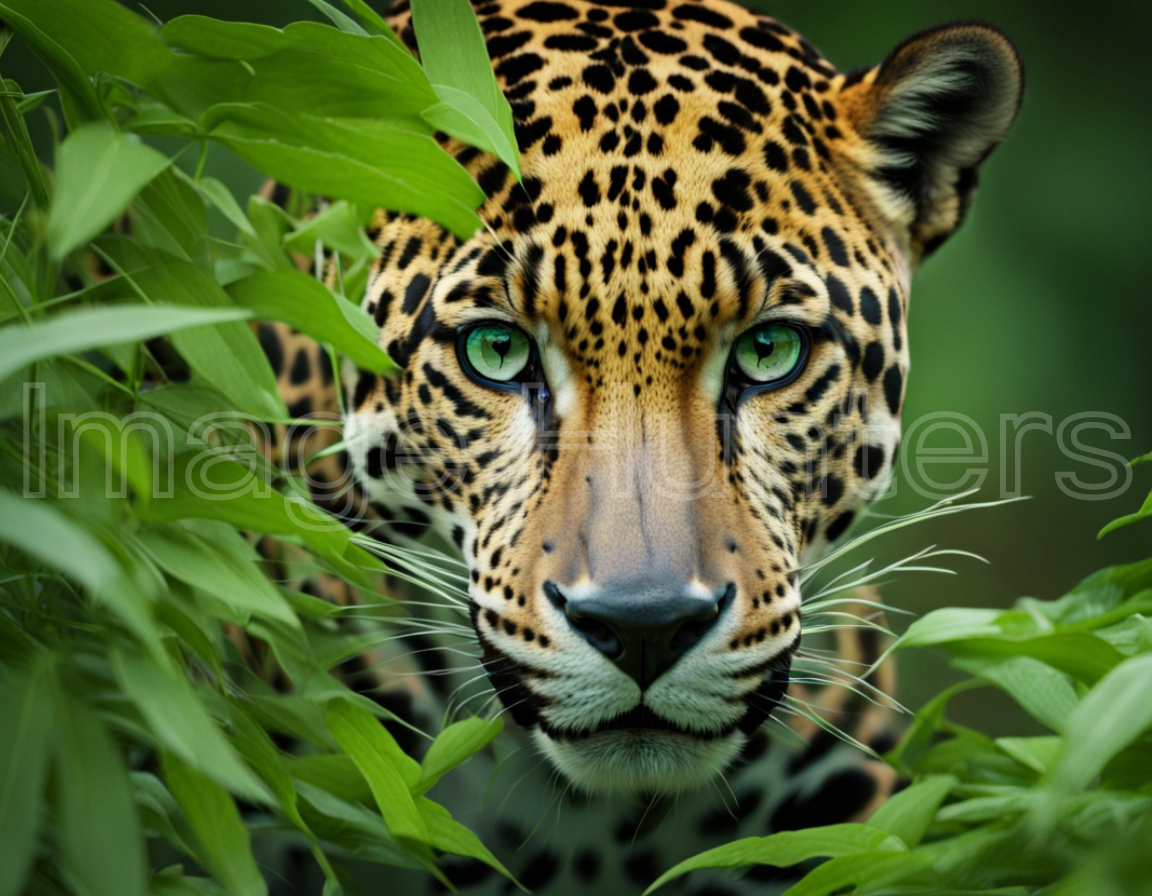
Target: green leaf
[25,740]
[1046,694]
[79,99]
[100,837]
[220,832]
[909,813]
[453,53]
[374,734]
[455,744]
[217,559]
[345,159]
[922,731]
[338,227]
[371,22]
[788,848]
[356,733]
[1037,753]
[179,722]
[1113,714]
[90,328]
[42,531]
[210,485]
[863,873]
[227,355]
[1143,513]
[448,835]
[98,172]
[307,305]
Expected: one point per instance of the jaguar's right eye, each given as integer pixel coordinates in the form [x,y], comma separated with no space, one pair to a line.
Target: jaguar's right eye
[495,354]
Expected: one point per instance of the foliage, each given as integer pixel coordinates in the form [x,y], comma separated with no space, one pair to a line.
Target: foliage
[139,727]
[1063,813]
[136,727]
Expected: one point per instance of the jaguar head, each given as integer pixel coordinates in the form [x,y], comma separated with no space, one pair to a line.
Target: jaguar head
[669,372]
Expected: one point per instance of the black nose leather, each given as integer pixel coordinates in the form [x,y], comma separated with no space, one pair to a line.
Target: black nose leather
[644,627]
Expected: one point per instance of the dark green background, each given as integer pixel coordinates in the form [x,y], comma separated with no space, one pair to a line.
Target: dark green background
[1041,303]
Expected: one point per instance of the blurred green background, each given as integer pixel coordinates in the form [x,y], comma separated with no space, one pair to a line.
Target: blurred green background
[1040,303]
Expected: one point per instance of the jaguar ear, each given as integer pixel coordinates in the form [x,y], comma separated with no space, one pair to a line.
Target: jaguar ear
[930,114]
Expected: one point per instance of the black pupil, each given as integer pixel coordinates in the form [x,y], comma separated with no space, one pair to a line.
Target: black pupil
[764,348]
[501,345]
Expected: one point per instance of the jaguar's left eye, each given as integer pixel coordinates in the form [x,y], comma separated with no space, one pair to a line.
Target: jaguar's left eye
[495,353]
[770,354]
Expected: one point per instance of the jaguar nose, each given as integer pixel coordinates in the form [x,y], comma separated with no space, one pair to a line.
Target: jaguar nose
[644,627]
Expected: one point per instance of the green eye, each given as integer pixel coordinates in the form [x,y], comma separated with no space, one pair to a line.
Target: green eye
[497,351]
[770,353]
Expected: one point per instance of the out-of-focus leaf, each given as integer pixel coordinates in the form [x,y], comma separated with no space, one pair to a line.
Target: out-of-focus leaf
[78,96]
[788,848]
[40,530]
[309,306]
[1038,753]
[452,746]
[454,55]
[1111,716]
[908,814]
[181,724]
[1047,695]
[217,559]
[220,832]
[90,328]
[25,744]
[98,172]
[1143,513]
[100,834]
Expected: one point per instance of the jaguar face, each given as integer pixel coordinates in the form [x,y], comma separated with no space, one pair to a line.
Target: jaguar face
[670,369]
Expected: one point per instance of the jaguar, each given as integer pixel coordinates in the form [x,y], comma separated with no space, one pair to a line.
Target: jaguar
[663,378]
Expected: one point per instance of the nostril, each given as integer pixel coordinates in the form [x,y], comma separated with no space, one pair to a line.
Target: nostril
[690,633]
[599,635]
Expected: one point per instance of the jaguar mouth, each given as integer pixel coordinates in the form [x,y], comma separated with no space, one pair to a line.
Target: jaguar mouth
[639,718]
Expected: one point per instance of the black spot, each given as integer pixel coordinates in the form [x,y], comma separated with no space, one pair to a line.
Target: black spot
[585,109]
[722,51]
[519,67]
[659,42]
[702,15]
[586,865]
[273,350]
[547,12]
[636,20]
[869,306]
[804,199]
[775,156]
[600,78]
[893,388]
[835,246]
[729,138]
[761,39]
[839,798]
[539,870]
[411,250]
[840,295]
[301,368]
[640,82]
[571,43]
[589,190]
[365,383]
[414,293]
[663,188]
[504,44]
[666,109]
[831,491]
[873,361]
[895,312]
[868,461]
